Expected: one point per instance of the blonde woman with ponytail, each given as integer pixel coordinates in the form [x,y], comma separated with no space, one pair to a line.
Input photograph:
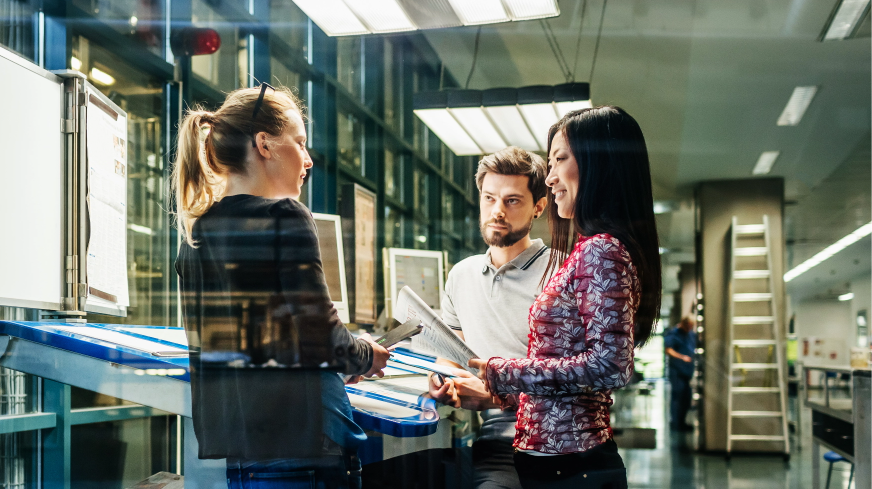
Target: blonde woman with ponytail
[266,343]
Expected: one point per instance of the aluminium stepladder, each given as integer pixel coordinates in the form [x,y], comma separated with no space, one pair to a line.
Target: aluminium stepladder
[761,281]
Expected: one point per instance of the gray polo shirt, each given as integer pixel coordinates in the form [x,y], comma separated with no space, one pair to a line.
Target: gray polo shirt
[491,306]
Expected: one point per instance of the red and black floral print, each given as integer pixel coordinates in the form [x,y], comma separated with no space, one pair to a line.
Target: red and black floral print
[581,347]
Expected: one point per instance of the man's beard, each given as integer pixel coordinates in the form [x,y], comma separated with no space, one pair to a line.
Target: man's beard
[503,240]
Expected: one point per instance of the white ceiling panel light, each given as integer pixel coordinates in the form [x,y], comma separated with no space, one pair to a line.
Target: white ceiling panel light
[829,251]
[334,17]
[381,16]
[765,162]
[532,9]
[845,20]
[846,297]
[501,106]
[799,101]
[474,12]
[355,17]
[432,109]
[499,117]
[466,107]
[540,119]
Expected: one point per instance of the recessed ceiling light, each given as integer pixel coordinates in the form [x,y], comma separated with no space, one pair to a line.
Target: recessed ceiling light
[75,63]
[829,251]
[845,20]
[765,162]
[796,106]
[846,297]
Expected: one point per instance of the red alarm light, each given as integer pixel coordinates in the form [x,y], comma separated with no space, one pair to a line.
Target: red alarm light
[193,41]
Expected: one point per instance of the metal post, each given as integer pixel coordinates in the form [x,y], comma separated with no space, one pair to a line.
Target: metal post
[56,441]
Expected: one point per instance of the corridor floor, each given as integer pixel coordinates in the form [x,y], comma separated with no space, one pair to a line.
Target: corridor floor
[674,463]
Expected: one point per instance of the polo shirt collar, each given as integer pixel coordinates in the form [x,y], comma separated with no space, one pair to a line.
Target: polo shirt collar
[522,261]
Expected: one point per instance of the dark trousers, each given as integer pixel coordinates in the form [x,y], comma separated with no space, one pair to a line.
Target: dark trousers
[600,468]
[680,401]
[493,464]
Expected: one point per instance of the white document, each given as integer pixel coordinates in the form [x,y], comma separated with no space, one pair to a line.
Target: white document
[107,203]
[435,337]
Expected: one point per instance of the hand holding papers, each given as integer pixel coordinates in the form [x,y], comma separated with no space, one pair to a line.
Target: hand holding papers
[435,336]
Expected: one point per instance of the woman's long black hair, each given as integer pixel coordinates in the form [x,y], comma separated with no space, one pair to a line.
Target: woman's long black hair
[614,197]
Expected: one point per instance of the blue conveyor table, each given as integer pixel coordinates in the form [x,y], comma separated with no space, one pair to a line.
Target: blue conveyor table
[148,365]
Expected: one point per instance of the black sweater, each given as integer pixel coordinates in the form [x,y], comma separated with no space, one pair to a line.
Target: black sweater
[260,326]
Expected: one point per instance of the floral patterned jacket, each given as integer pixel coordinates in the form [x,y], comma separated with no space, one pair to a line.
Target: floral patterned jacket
[581,347]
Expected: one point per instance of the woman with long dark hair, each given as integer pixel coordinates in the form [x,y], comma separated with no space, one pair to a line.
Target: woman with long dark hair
[596,307]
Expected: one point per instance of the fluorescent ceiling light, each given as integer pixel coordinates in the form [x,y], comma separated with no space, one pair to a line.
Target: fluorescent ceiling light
[382,15]
[477,125]
[355,17]
[101,77]
[829,251]
[765,162]
[540,118]
[473,12]
[844,22]
[512,126]
[75,63]
[333,17]
[846,297]
[498,117]
[532,9]
[446,128]
[796,106]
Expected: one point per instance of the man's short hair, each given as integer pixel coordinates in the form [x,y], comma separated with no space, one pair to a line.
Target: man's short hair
[516,161]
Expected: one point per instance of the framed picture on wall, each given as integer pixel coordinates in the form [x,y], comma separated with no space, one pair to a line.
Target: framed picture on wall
[359,223]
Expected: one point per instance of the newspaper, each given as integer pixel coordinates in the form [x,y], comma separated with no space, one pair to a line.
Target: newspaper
[436,337]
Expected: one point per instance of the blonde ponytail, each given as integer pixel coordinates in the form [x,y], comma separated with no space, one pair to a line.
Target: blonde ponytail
[195,184]
[202,164]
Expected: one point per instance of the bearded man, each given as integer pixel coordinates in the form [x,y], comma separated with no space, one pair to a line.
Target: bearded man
[488,297]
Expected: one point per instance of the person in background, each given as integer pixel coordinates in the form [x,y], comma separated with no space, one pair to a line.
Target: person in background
[599,304]
[680,344]
[266,342]
[487,299]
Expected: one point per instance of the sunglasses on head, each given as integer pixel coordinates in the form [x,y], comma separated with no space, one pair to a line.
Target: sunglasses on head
[257,105]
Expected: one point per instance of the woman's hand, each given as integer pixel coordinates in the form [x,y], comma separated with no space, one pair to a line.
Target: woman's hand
[481,365]
[443,392]
[380,356]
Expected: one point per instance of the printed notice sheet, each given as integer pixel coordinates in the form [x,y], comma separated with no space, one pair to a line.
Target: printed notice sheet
[107,203]
[436,337]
